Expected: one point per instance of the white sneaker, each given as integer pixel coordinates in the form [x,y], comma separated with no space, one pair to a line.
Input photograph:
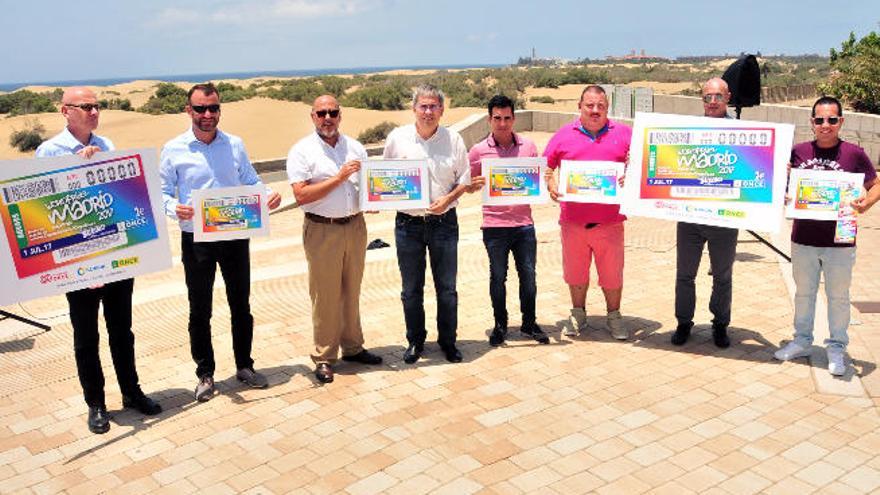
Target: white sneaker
[615,325]
[577,321]
[836,364]
[791,351]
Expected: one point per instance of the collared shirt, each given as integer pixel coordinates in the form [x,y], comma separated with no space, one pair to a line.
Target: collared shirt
[506,215]
[592,136]
[569,143]
[446,155]
[187,164]
[64,143]
[312,160]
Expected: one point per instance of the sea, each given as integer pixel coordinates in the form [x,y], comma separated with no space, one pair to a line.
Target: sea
[7,87]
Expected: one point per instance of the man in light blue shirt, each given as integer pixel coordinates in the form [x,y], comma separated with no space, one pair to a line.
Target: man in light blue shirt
[79,106]
[204,157]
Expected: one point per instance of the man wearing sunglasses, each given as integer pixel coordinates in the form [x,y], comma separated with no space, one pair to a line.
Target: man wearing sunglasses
[79,106]
[815,249]
[205,157]
[323,171]
[434,229]
[690,239]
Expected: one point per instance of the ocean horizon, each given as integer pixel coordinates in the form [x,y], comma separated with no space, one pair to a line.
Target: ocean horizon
[9,87]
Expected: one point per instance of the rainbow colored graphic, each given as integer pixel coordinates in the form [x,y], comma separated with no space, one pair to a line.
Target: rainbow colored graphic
[515,182]
[232,214]
[394,185]
[66,216]
[583,184]
[817,195]
[718,164]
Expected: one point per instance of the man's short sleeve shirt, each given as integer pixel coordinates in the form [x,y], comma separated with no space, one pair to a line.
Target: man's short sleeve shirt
[445,153]
[312,160]
[845,157]
[571,143]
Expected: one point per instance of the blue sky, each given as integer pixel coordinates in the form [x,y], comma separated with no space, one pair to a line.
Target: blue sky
[51,40]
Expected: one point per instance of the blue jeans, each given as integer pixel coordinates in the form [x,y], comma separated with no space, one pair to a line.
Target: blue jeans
[500,242]
[807,262]
[438,235]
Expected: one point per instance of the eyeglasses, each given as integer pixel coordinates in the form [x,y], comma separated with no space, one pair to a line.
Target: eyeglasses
[713,97]
[821,120]
[86,107]
[432,107]
[204,108]
[323,113]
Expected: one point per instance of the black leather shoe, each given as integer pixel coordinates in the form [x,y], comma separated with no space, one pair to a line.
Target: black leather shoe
[453,355]
[363,357]
[143,404]
[499,333]
[99,420]
[719,335]
[413,353]
[682,334]
[534,331]
[324,373]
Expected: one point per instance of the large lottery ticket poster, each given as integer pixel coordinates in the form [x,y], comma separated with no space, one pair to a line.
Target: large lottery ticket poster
[393,184]
[723,172]
[70,223]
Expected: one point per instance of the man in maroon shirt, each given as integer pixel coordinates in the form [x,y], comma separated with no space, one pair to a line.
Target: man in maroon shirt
[813,246]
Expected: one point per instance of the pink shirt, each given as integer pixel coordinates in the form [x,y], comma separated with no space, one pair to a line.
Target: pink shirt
[570,143]
[502,216]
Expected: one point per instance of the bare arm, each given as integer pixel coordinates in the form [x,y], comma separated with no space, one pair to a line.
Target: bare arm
[864,203]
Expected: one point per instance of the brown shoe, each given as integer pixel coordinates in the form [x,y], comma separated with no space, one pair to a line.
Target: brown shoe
[324,373]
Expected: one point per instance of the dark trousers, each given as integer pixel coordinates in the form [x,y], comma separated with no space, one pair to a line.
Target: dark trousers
[116,299]
[500,242]
[690,239]
[438,235]
[200,260]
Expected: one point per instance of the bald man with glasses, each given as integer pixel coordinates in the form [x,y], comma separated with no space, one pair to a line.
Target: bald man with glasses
[80,109]
[690,239]
[323,170]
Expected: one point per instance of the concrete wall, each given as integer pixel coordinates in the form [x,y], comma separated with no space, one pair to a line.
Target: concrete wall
[862,129]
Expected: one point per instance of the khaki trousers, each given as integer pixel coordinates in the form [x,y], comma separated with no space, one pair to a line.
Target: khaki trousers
[335,254]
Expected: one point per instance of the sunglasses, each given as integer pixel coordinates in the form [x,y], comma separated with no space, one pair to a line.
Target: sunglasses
[204,108]
[323,113]
[86,107]
[713,97]
[821,120]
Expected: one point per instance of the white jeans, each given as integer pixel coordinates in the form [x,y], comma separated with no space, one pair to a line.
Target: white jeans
[807,262]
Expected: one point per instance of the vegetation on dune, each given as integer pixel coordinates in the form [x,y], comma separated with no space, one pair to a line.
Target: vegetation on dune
[24,102]
[377,133]
[169,98]
[29,138]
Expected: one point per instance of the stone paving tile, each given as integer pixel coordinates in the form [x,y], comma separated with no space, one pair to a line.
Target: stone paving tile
[578,415]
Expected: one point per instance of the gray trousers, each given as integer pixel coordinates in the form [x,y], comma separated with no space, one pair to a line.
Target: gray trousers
[690,240]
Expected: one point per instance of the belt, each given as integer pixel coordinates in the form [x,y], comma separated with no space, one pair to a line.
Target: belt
[340,220]
[427,218]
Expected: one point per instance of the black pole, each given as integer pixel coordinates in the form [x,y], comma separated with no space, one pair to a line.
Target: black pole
[5,314]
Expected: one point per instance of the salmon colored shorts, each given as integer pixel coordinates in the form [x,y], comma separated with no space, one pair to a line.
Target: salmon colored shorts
[580,245]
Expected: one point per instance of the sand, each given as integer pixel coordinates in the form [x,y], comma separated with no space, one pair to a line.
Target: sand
[269,127]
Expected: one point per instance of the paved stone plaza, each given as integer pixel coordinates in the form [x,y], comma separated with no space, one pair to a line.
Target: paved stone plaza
[585,415]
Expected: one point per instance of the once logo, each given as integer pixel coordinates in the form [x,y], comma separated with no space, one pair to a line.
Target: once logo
[125,262]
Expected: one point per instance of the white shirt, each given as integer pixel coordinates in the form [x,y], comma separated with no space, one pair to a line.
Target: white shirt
[312,160]
[445,152]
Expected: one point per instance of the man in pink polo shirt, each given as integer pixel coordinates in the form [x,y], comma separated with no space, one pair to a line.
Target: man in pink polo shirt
[507,229]
[589,230]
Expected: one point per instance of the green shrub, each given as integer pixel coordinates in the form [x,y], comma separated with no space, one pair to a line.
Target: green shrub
[376,133]
[29,138]
[169,98]
[390,96]
[304,90]
[856,76]
[116,104]
[542,99]
[230,92]
[23,102]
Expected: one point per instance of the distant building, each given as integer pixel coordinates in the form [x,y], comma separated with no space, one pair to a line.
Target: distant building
[632,56]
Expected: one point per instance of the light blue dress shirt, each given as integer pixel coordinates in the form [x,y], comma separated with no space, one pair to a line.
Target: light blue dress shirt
[64,144]
[187,164]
